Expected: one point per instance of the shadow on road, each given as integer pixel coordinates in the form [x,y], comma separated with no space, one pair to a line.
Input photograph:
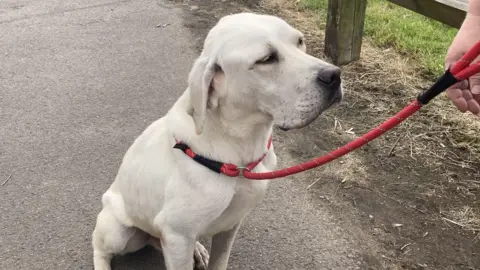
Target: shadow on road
[146,258]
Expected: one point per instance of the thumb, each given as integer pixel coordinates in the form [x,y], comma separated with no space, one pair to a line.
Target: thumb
[454,53]
[452,57]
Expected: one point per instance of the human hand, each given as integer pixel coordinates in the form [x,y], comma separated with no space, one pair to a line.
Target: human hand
[465,95]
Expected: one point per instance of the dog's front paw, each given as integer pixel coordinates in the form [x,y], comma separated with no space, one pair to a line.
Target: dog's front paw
[200,256]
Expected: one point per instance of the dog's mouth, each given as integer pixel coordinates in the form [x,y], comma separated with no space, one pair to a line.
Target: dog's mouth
[336,99]
[283,128]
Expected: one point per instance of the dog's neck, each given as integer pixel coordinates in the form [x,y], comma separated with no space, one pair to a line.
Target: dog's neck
[246,135]
[227,136]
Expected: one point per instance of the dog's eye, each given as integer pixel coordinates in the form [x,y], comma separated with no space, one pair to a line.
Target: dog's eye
[269,59]
[300,41]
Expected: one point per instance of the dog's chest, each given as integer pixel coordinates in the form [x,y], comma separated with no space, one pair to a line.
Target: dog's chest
[247,196]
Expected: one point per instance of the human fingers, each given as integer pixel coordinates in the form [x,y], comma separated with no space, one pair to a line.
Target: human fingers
[475,84]
[472,104]
[456,96]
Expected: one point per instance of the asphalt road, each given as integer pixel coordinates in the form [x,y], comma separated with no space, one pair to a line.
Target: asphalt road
[79,81]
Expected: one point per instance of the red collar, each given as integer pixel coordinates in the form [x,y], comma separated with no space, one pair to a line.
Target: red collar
[219,167]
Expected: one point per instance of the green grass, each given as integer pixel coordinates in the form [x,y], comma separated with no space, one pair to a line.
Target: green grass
[409,33]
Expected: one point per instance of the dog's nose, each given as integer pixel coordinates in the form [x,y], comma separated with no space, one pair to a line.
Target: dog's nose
[329,76]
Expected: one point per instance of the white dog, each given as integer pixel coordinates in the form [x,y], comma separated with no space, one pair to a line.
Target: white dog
[253,73]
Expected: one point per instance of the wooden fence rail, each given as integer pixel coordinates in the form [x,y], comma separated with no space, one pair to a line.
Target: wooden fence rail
[345,23]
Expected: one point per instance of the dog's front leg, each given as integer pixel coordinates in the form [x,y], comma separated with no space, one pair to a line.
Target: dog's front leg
[178,251]
[221,246]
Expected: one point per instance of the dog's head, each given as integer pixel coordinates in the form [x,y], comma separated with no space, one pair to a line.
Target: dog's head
[256,65]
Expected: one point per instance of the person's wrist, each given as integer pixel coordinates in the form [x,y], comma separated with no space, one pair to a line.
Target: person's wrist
[473,7]
[472,18]
[470,27]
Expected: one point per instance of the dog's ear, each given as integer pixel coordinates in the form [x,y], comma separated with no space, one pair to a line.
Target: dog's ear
[200,84]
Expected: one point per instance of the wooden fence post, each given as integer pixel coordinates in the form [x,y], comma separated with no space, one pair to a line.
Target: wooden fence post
[344,31]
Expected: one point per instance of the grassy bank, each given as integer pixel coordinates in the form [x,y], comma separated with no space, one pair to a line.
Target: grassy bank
[411,34]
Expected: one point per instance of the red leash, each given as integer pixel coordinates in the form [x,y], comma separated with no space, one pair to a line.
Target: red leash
[462,70]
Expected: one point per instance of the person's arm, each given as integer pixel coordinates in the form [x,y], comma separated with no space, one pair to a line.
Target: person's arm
[466,95]
[474,7]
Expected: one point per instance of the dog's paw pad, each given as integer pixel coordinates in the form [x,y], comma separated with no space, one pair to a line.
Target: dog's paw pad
[200,256]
